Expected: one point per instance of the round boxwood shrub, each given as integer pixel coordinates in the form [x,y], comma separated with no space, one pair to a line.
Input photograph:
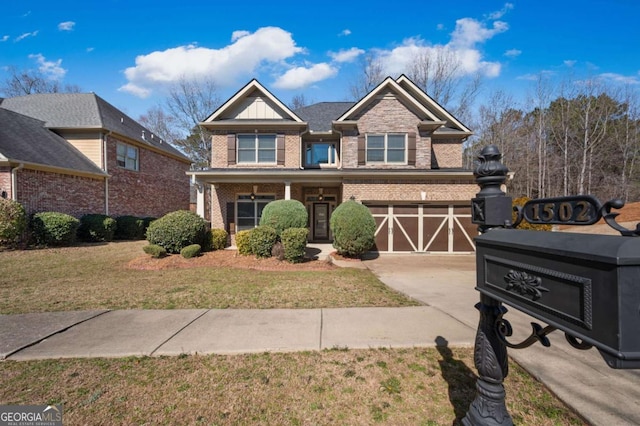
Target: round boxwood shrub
[243,242]
[520,202]
[294,241]
[96,227]
[353,229]
[218,239]
[13,222]
[54,229]
[155,251]
[129,228]
[284,214]
[191,251]
[176,230]
[262,240]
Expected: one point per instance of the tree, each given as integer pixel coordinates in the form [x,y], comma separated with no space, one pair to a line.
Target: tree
[299,101]
[160,123]
[27,82]
[372,75]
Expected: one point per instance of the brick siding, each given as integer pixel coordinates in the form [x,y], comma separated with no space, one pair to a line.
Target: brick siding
[219,152]
[5,180]
[448,153]
[385,190]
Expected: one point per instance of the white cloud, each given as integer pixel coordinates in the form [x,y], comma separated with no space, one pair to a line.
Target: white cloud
[440,27]
[90,49]
[51,69]
[512,53]
[4,38]
[300,77]
[66,26]
[619,78]
[345,32]
[138,91]
[569,63]
[470,32]
[500,13]
[348,55]
[25,35]
[241,58]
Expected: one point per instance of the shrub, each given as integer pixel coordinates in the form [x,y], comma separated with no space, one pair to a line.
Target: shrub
[218,239]
[191,251]
[524,224]
[54,229]
[277,251]
[96,227]
[13,222]
[353,229]
[176,230]
[155,251]
[294,241]
[262,240]
[129,228]
[243,242]
[284,214]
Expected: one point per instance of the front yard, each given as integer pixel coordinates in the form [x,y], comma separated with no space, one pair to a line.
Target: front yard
[119,275]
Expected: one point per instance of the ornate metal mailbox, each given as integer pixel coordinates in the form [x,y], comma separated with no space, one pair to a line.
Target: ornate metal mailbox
[585,285]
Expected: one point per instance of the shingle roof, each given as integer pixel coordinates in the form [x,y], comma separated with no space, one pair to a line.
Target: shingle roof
[26,139]
[84,111]
[320,115]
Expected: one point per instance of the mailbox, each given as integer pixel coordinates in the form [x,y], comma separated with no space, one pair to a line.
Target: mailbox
[585,285]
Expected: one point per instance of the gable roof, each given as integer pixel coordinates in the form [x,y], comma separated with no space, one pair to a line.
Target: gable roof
[76,111]
[26,140]
[236,100]
[320,116]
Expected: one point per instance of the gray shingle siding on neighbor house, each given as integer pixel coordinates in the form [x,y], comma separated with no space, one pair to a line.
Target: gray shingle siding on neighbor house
[64,111]
[26,139]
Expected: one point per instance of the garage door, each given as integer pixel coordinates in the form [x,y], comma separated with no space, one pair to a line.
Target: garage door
[423,228]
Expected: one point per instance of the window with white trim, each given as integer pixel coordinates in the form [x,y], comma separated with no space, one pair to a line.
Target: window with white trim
[387,148]
[257,148]
[249,210]
[320,154]
[127,156]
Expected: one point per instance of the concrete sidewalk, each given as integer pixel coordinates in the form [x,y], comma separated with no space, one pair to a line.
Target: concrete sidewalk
[444,284]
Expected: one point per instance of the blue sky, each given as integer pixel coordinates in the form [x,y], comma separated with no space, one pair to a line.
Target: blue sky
[129,52]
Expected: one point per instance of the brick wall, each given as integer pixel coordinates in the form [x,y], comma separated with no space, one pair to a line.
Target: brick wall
[158,187]
[5,180]
[219,150]
[448,153]
[386,115]
[385,190]
[40,191]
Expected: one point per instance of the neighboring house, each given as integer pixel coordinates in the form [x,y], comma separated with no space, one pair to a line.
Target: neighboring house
[75,153]
[396,151]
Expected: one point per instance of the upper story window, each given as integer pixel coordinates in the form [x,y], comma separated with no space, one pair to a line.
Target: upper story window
[127,156]
[257,148]
[320,154]
[387,148]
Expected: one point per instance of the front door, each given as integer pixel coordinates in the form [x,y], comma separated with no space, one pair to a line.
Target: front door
[320,221]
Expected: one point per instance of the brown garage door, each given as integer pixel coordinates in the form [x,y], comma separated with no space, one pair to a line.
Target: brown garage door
[430,228]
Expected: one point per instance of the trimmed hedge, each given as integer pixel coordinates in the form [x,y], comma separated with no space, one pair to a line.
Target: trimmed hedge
[96,227]
[284,214]
[218,239]
[129,228]
[353,228]
[262,240]
[54,229]
[243,242]
[155,251]
[294,241]
[13,222]
[176,230]
[191,251]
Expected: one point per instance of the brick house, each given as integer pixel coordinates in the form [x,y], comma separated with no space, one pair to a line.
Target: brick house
[75,153]
[396,151]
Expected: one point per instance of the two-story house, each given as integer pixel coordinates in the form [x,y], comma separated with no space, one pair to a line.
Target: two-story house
[395,150]
[76,153]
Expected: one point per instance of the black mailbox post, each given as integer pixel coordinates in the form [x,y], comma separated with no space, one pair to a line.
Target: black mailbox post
[587,286]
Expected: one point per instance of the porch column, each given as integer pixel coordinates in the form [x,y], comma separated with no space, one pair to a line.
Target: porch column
[200,199]
[287,190]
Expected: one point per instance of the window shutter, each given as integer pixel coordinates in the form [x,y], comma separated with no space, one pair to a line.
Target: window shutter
[362,150]
[231,218]
[280,147]
[411,149]
[231,149]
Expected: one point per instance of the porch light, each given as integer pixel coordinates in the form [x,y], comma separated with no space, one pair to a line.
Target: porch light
[252,196]
[320,196]
[3,194]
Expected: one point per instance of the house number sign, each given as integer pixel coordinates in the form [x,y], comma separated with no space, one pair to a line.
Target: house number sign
[575,210]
